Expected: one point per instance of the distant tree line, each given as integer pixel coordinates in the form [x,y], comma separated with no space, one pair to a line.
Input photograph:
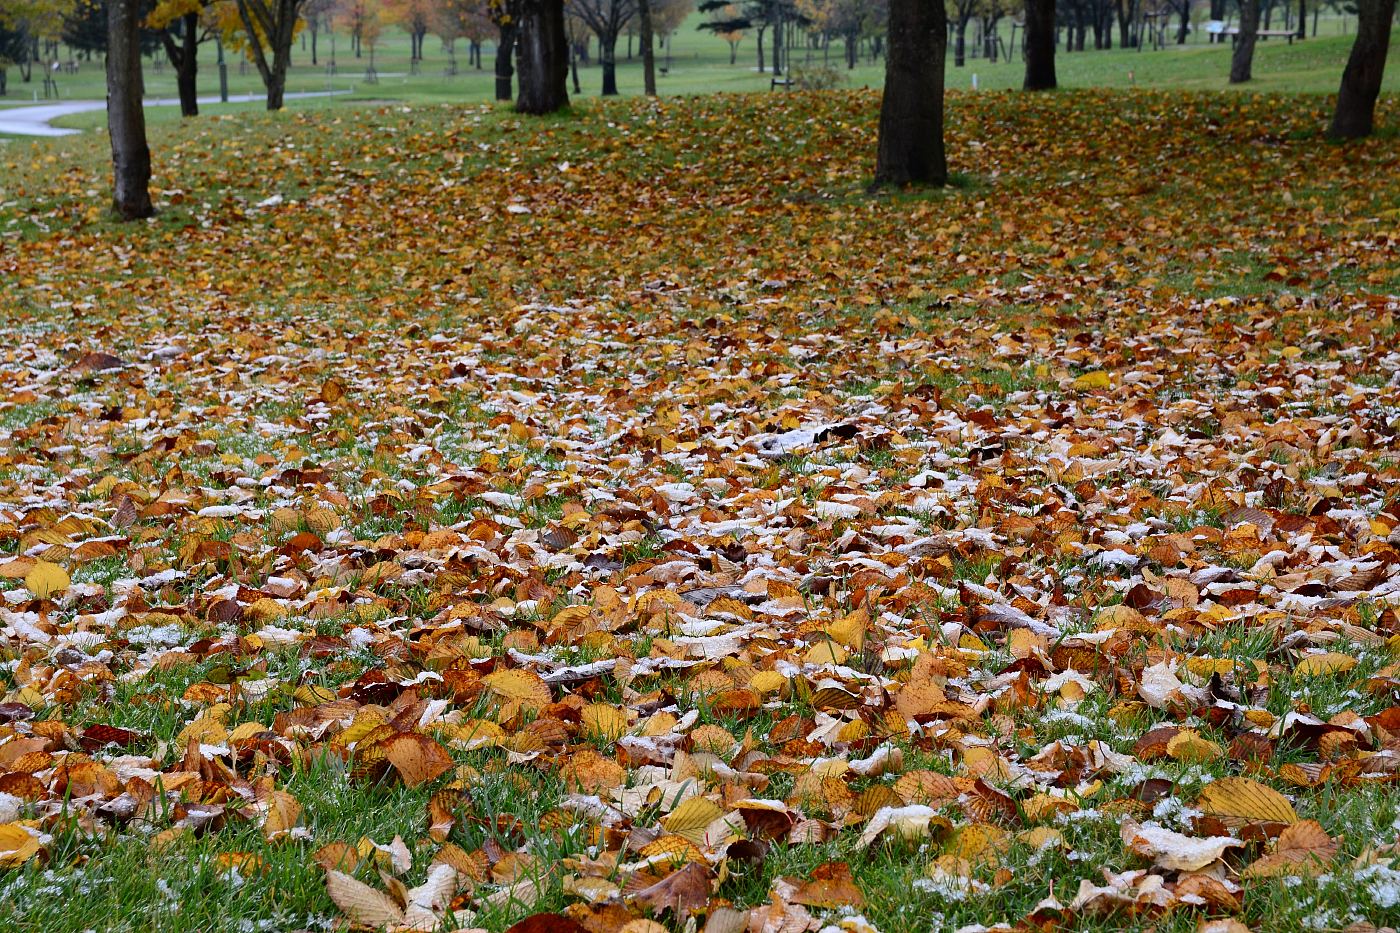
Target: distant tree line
[539,42]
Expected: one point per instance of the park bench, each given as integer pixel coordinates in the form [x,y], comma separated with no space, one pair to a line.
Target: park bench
[779,82]
[1219,28]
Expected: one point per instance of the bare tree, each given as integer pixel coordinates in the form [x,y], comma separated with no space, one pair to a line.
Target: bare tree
[607,19]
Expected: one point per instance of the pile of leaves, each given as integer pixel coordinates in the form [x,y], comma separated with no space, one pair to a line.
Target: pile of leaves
[624,523]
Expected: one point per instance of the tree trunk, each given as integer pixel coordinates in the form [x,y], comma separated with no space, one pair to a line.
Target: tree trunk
[187,69]
[607,57]
[1361,81]
[276,88]
[1185,22]
[126,121]
[777,40]
[505,47]
[1040,45]
[182,56]
[276,25]
[760,49]
[544,57]
[1242,61]
[648,52]
[911,111]
[1302,19]
[315,32]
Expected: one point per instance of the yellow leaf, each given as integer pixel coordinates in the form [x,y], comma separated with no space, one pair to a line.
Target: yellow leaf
[366,720]
[46,579]
[1317,665]
[1094,380]
[691,817]
[827,652]
[971,642]
[313,695]
[283,815]
[766,682]
[1241,800]
[979,842]
[17,845]
[246,731]
[604,721]
[1189,745]
[850,631]
[517,686]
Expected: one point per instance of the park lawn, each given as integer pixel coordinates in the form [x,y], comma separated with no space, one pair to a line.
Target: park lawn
[425,473]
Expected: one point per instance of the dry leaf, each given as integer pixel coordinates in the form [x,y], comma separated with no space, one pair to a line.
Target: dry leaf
[1242,800]
[1172,850]
[46,580]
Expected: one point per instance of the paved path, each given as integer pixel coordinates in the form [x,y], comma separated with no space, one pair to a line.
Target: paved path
[36,120]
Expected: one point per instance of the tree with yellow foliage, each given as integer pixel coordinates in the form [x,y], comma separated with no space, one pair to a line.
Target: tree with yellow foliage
[268,28]
[182,27]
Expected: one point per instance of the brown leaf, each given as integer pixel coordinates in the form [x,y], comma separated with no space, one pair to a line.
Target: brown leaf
[1304,848]
[417,758]
[830,886]
[547,923]
[683,892]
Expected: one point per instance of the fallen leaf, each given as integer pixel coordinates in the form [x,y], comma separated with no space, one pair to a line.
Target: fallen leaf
[1174,851]
[1242,800]
[1303,849]
[46,580]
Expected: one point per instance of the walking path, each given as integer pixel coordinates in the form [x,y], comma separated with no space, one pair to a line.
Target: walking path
[36,120]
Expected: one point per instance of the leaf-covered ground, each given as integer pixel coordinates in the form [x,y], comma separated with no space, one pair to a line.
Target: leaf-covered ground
[435,518]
